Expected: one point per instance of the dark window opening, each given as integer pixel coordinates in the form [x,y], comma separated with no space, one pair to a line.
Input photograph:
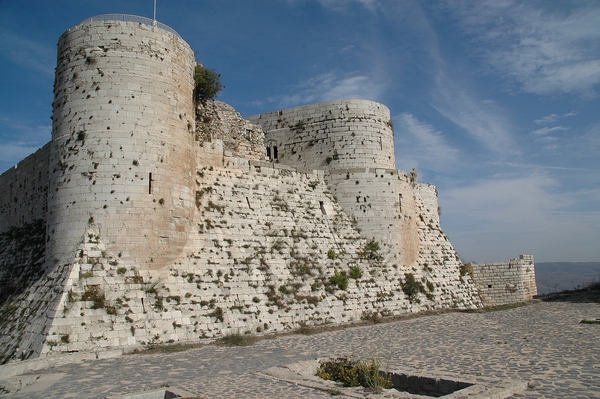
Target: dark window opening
[322,206]
[489,286]
[150,183]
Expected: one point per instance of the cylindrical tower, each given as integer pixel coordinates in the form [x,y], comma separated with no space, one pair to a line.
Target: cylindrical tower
[122,140]
[339,134]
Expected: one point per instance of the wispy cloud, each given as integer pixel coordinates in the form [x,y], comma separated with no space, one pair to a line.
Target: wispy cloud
[422,144]
[344,4]
[331,86]
[544,50]
[28,54]
[547,130]
[528,214]
[13,153]
[483,120]
[19,140]
[552,118]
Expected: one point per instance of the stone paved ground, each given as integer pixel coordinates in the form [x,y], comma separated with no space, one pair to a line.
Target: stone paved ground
[543,344]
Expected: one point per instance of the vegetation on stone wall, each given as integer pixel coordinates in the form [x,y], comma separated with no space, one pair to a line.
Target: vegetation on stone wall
[207,83]
[371,252]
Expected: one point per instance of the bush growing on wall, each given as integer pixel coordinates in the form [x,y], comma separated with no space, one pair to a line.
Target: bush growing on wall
[207,83]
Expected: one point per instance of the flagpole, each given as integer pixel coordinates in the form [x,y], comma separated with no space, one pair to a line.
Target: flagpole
[154,21]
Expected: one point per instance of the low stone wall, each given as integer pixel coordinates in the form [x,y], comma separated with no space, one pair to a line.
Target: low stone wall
[505,282]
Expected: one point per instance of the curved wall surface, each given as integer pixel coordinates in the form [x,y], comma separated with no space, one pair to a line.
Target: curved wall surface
[339,134]
[122,141]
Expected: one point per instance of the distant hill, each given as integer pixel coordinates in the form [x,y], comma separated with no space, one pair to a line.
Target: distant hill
[560,276]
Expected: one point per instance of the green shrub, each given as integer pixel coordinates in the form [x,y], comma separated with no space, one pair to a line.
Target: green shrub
[370,251]
[331,254]
[94,294]
[355,272]
[340,279]
[355,373]
[411,287]
[237,339]
[207,83]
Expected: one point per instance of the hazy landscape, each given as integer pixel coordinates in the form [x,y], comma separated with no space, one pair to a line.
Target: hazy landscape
[559,276]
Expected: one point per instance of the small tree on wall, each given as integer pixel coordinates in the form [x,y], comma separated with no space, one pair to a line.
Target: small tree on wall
[207,83]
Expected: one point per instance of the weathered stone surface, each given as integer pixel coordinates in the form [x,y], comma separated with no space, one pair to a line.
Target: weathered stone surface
[158,231]
[218,120]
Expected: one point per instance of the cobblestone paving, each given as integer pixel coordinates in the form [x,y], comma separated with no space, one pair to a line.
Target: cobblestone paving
[543,344]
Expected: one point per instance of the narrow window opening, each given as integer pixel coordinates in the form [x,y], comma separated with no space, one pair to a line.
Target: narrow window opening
[150,183]
[269,152]
[322,206]
[248,201]
[275,152]
[248,131]
[489,286]
[400,202]
[143,307]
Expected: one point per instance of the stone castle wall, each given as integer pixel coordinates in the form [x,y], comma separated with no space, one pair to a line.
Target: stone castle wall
[332,135]
[24,190]
[240,138]
[122,141]
[162,226]
[266,242]
[507,282]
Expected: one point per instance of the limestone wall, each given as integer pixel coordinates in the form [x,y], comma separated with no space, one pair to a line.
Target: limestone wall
[23,191]
[122,154]
[266,242]
[382,202]
[332,135]
[506,282]
[216,120]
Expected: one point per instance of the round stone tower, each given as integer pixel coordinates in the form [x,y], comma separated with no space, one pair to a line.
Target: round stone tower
[338,134]
[122,140]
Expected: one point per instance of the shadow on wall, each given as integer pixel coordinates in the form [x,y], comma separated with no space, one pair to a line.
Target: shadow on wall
[22,251]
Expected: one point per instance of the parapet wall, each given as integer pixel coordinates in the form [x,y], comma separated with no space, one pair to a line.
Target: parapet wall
[24,191]
[337,134]
[506,282]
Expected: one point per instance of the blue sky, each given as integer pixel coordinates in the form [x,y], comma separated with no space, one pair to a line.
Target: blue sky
[495,102]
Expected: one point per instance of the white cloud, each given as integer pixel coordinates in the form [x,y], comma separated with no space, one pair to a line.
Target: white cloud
[13,153]
[28,54]
[546,51]
[344,4]
[421,143]
[526,214]
[331,86]
[483,120]
[553,118]
[546,119]
[547,130]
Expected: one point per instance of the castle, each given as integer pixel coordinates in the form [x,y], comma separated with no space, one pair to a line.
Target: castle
[151,219]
